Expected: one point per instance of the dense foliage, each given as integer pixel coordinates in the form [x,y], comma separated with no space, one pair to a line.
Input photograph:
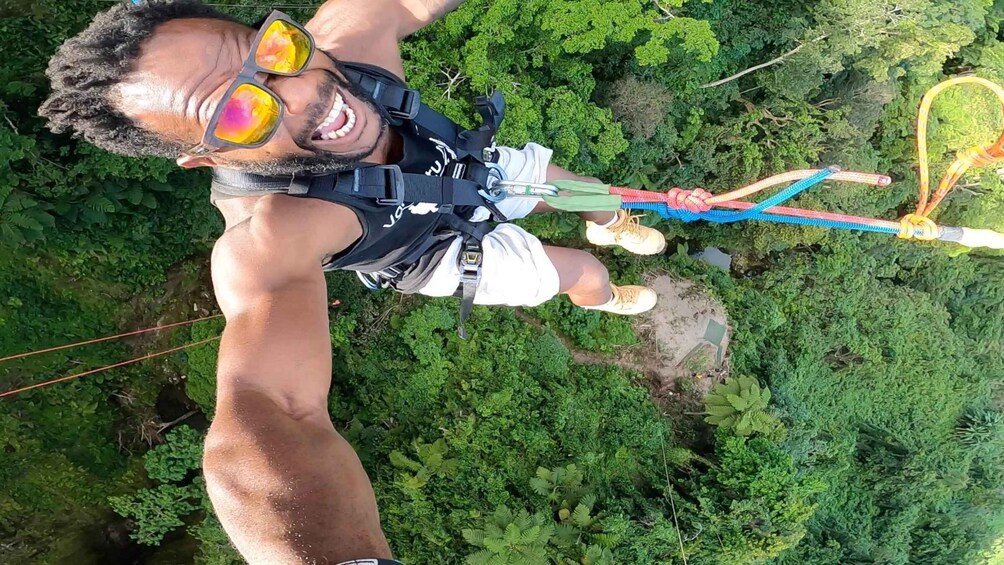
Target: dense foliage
[864,422]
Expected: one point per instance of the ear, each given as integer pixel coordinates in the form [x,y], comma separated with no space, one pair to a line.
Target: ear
[190,162]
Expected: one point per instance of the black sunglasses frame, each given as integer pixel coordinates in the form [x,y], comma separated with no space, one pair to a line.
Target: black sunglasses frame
[210,142]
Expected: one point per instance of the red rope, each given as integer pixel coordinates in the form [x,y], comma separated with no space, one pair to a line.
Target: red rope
[98,340]
[105,368]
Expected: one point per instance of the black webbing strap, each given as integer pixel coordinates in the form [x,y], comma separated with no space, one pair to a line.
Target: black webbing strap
[388,186]
[492,110]
[471,257]
[469,262]
[399,103]
[384,184]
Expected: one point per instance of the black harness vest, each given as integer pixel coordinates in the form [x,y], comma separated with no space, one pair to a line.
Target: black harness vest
[411,211]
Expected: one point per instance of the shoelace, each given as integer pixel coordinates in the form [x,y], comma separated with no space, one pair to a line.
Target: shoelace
[631,226]
[626,295]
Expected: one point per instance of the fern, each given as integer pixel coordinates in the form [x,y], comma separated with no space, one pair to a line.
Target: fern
[740,405]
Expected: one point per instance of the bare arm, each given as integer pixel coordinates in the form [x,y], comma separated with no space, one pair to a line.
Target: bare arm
[286,487]
[417,14]
[348,28]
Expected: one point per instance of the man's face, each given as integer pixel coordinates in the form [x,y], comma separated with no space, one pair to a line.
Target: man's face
[187,65]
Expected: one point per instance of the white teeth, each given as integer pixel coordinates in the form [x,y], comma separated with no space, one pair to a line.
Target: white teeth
[336,109]
[340,132]
[344,130]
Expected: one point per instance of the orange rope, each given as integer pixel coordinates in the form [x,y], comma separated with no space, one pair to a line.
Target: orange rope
[109,338]
[791,176]
[972,157]
[105,368]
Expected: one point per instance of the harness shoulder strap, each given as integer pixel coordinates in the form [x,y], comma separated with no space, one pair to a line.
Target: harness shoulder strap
[393,97]
[401,104]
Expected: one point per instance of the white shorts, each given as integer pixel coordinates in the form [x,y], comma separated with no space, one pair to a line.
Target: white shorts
[515,271]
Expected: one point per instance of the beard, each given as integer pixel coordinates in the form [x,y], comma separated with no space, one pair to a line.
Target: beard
[320,162]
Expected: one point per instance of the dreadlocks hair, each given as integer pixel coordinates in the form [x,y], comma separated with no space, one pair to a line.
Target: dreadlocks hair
[86,69]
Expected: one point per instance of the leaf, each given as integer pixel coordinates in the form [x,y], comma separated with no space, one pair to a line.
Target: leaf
[149,200]
[100,204]
[540,486]
[721,411]
[738,402]
[581,516]
[565,535]
[474,537]
[531,536]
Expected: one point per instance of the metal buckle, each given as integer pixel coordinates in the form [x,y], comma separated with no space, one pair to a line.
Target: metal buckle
[494,191]
[394,181]
[371,281]
[470,261]
[411,103]
[490,155]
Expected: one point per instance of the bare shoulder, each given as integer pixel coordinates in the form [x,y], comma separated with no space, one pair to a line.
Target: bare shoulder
[361,31]
[279,223]
[281,236]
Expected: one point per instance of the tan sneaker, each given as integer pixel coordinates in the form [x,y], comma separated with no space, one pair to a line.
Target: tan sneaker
[627,232]
[628,300]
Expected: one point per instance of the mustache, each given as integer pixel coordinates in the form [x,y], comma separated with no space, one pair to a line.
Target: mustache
[317,111]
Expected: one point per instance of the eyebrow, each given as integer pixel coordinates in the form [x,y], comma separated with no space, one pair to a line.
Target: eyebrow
[238,56]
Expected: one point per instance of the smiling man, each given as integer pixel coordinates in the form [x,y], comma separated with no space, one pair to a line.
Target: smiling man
[322,159]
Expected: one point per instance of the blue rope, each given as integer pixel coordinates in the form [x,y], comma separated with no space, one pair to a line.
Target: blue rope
[667,212]
[757,212]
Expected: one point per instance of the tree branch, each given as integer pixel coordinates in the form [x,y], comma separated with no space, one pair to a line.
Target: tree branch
[669,15]
[755,68]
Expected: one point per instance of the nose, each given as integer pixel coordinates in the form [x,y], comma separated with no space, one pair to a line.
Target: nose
[298,93]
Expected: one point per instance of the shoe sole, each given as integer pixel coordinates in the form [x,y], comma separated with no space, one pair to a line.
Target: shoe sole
[665,244]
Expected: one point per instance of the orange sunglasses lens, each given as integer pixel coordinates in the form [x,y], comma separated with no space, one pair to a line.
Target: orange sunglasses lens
[248,117]
[284,48]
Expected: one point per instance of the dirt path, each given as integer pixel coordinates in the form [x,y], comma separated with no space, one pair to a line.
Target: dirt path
[684,342]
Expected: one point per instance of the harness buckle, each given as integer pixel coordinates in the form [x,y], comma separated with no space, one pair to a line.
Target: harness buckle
[393,181]
[411,103]
[490,155]
[494,190]
[471,257]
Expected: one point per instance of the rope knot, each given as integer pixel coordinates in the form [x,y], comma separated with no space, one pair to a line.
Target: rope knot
[915,226]
[694,201]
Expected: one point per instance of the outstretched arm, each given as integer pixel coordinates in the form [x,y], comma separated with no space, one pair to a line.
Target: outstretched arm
[417,14]
[286,487]
[337,21]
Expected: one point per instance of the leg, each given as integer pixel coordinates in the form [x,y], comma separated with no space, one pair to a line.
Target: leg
[581,276]
[587,283]
[520,271]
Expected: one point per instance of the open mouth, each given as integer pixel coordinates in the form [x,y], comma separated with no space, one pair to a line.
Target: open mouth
[338,123]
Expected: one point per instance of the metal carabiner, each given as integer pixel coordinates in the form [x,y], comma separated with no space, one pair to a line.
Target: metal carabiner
[539,189]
